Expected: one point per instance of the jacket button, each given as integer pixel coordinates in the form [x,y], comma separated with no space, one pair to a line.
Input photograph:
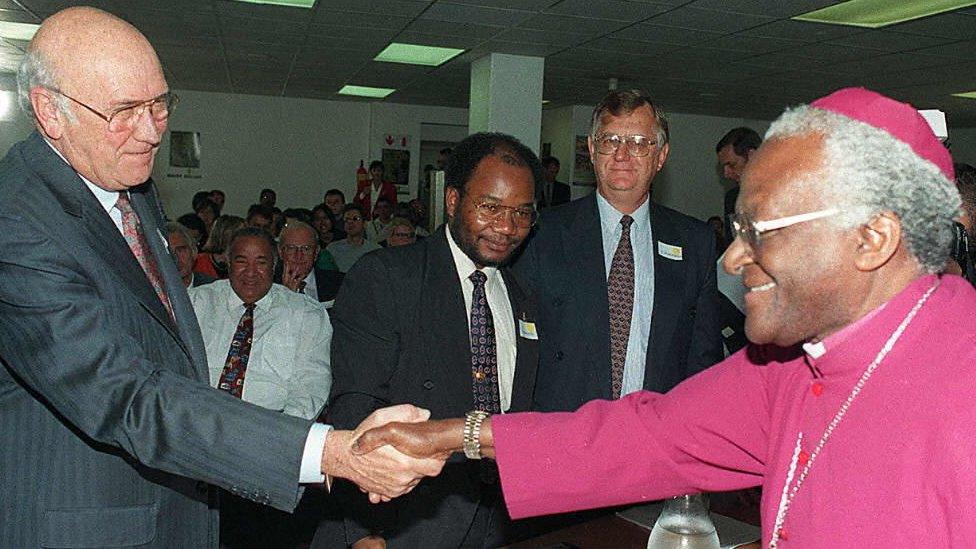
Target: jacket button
[559,355]
[428,385]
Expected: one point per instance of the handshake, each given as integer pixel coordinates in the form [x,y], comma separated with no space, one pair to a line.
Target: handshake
[393,449]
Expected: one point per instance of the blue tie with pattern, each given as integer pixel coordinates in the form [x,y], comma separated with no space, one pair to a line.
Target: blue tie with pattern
[484,359]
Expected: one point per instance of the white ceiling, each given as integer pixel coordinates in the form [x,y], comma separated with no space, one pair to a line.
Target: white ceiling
[722,57]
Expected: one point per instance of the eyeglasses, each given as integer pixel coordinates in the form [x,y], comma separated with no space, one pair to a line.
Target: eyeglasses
[752,231]
[292,248]
[124,118]
[489,212]
[403,235]
[636,145]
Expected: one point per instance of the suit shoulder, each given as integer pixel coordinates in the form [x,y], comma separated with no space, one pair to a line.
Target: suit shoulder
[14,176]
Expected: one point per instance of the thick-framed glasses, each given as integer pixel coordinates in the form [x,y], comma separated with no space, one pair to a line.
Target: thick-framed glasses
[124,117]
[636,145]
[489,212]
[293,249]
[752,231]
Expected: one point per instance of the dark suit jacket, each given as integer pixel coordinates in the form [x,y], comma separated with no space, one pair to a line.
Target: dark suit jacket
[561,194]
[199,279]
[564,266]
[107,414]
[401,335]
[327,282]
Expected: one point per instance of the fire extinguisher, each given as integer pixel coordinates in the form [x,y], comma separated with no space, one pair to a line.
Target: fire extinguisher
[362,187]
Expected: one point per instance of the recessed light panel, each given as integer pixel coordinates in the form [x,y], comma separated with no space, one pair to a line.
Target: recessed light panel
[967,95]
[415,54]
[880,13]
[289,3]
[18,31]
[366,91]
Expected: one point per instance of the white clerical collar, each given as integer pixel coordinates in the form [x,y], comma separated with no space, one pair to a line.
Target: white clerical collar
[464,265]
[106,198]
[818,349]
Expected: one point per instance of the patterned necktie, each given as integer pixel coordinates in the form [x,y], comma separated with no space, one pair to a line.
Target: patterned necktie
[620,291]
[136,239]
[232,376]
[484,359]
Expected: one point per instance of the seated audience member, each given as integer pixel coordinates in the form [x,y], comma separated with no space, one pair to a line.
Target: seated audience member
[277,221]
[291,214]
[419,217]
[324,224]
[184,251]
[853,402]
[208,212]
[195,226]
[401,233]
[355,245]
[270,347]
[962,249]
[379,227]
[198,198]
[336,201]
[268,198]
[213,261]
[298,247]
[218,197]
[260,216]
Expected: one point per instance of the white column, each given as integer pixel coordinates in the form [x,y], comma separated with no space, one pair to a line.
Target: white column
[506,96]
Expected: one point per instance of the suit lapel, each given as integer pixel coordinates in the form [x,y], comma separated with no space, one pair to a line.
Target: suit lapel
[444,320]
[668,277]
[526,350]
[585,239]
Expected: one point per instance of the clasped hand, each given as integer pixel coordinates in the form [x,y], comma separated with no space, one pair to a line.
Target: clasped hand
[380,469]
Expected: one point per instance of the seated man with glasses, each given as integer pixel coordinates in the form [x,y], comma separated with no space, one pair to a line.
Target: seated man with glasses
[445,325]
[348,250]
[298,246]
[642,275]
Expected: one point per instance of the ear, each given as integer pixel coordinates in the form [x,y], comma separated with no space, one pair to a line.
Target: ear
[663,155]
[49,117]
[452,199]
[878,241]
[589,146]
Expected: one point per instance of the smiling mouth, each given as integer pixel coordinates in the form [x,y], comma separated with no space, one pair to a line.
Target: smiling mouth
[763,288]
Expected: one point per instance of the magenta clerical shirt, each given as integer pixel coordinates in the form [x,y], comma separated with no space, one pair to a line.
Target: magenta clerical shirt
[898,471]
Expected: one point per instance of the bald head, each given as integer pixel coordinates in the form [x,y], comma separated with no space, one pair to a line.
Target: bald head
[83,68]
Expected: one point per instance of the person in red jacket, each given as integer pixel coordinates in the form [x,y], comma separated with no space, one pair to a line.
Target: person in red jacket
[377,189]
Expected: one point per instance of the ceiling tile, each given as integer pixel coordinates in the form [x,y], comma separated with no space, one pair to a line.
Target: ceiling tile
[751,44]
[709,20]
[352,20]
[567,23]
[888,40]
[510,4]
[620,10]
[802,30]
[963,49]
[946,25]
[468,30]
[779,8]
[667,35]
[535,36]
[401,8]
[464,13]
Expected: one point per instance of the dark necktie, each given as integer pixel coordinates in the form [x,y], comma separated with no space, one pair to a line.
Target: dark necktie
[136,239]
[232,377]
[620,291]
[484,359]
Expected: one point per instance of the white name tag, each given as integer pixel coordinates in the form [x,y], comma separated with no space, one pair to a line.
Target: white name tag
[669,251]
[527,329]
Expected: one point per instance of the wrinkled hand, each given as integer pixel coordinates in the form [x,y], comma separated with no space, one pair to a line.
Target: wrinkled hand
[294,273]
[385,473]
[424,440]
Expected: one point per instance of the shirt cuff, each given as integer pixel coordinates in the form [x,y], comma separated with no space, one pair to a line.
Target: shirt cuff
[311,472]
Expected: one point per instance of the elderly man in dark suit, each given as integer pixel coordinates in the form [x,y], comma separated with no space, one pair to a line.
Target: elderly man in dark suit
[110,433]
[298,245]
[625,287]
[442,324]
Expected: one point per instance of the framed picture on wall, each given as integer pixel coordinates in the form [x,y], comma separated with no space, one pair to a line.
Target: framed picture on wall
[184,149]
[582,167]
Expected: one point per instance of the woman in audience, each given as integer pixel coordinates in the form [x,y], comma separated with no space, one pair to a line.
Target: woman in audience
[402,233]
[324,223]
[213,260]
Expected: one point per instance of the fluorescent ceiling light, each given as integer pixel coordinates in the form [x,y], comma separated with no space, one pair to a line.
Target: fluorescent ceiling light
[880,13]
[18,31]
[365,91]
[290,3]
[967,95]
[414,54]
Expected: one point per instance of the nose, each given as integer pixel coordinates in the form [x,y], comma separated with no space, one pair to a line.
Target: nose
[727,172]
[147,129]
[621,154]
[737,256]
[505,224]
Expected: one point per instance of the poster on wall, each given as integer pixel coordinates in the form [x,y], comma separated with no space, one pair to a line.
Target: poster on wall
[582,167]
[395,154]
[184,155]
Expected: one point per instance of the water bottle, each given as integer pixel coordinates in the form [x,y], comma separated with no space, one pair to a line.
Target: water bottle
[684,523]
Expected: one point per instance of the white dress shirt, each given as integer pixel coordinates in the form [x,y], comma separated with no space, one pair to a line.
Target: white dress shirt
[288,368]
[642,242]
[501,314]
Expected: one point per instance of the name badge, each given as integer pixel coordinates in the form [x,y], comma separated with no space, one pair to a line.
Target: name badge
[527,329]
[669,251]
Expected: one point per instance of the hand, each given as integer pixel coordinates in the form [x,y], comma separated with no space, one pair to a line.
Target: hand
[428,440]
[294,273]
[385,473]
[370,542]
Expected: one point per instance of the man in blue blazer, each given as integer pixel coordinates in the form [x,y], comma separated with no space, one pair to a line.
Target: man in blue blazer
[110,435]
[668,328]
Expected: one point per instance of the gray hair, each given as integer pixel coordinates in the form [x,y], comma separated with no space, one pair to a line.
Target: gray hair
[624,102]
[295,225]
[36,71]
[867,171]
[172,227]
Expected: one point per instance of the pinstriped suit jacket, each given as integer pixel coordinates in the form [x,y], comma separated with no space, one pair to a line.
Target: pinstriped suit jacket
[109,432]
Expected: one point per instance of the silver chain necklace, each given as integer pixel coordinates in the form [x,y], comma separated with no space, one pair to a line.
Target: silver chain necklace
[790,493]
